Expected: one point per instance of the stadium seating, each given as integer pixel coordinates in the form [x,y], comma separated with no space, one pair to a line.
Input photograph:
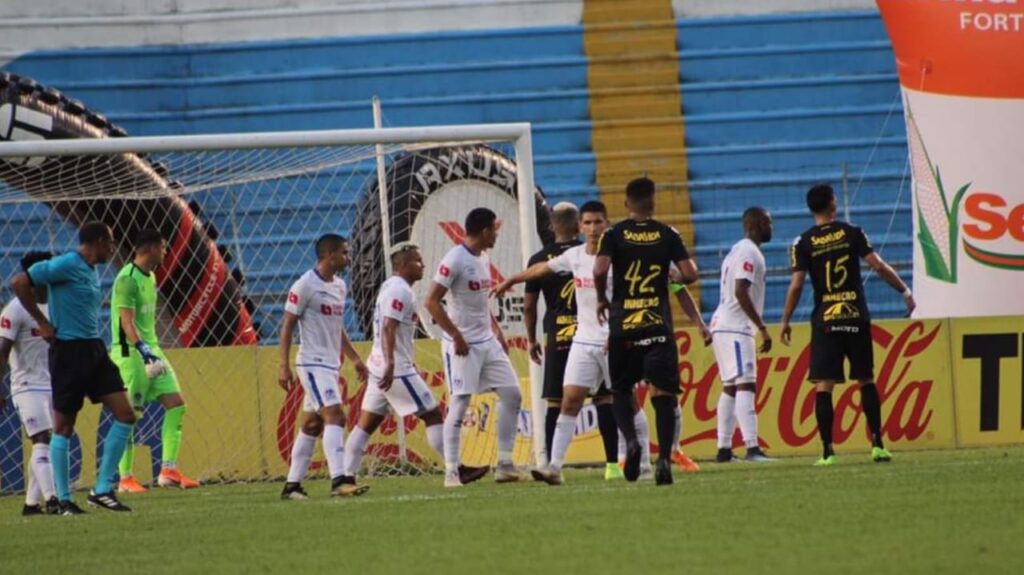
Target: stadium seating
[771,104]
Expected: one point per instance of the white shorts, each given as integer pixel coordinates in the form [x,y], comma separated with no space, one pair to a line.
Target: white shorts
[320,385]
[485,368]
[736,356]
[587,366]
[408,395]
[34,410]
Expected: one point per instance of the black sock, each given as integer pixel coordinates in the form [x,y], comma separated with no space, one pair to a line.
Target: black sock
[622,405]
[550,420]
[873,412]
[665,423]
[609,432]
[823,413]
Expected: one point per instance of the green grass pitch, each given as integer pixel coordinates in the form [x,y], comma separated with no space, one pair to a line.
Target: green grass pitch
[926,512]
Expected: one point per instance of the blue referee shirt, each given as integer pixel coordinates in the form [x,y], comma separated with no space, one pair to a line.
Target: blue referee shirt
[74,295]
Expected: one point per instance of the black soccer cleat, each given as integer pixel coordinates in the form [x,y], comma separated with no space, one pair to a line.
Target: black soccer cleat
[469,474]
[631,471]
[53,506]
[724,455]
[30,510]
[106,501]
[663,472]
[69,508]
[294,491]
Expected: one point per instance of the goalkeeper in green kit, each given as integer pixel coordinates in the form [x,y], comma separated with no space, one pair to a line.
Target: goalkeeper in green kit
[135,350]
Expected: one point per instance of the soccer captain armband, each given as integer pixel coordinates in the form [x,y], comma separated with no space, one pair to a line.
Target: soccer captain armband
[676,287]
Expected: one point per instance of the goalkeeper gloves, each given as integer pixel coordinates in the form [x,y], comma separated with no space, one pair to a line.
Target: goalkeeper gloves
[154,365]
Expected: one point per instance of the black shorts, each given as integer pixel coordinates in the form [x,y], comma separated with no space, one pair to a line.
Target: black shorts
[555,359]
[655,359]
[81,368]
[828,350]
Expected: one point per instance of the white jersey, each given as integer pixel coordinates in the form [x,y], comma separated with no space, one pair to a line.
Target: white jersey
[320,306]
[744,262]
[580,264]
[30,361]
[468,279]
[397,301]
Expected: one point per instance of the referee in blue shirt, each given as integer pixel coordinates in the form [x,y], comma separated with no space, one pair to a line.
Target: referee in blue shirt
[79,363]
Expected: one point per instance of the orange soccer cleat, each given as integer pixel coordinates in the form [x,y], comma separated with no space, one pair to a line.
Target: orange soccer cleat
[174,478]
[129,484]
[685,463]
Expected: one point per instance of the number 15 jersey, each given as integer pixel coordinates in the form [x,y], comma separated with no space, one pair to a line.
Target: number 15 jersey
[831,254]
[641,253]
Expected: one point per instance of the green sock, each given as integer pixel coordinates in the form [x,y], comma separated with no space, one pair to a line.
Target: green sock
[171,435]
[124,467]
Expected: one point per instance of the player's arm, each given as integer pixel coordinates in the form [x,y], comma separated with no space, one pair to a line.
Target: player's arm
[533,273]
[285,378]
[388,333]
[22,285]
[352,353]
[688,273]
[5,353]
[885,271]
[742,293]
[437,313]
[796,289]
[530,319]
[685,299]
[602,264]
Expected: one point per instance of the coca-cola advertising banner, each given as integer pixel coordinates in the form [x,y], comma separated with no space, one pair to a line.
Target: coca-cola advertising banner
[961,71]
[943,383]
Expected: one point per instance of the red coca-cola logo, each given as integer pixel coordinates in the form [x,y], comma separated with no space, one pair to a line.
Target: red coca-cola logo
[904,400]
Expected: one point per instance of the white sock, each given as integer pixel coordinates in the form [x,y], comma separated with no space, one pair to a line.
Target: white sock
[746,414]
[334,449]
[622,448]
[435,437]
[354,449]
[32,492]
[457,406]
[726,420]
[41,470]
[302,452]
[509,401]
[643,435]
[565,427]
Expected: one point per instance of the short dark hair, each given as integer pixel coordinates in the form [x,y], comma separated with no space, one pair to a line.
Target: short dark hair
[32,258]
[329,243]
[478,220]
[640,189]
[93,231]
[754,212]
[819,198]
[594,207]
[147,237]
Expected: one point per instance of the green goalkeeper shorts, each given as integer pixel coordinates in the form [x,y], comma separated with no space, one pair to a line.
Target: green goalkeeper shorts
[142,389]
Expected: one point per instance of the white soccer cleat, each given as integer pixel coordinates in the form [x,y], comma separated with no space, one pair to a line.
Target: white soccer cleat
[548,475]
[451,479]
[507,473]
[646,473]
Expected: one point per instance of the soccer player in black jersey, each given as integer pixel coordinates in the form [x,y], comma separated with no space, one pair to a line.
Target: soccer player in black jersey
[641,344]
[840,323]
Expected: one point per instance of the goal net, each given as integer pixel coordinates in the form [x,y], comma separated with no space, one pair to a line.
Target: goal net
[241,214]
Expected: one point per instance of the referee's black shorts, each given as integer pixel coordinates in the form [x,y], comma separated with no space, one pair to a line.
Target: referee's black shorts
[655,359]
[830,345]
[78,369]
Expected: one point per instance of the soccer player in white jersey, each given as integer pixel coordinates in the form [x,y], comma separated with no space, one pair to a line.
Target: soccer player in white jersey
[316,303]
[21,342]
[474,348]
[734,327]
[394,381]
[586,371]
